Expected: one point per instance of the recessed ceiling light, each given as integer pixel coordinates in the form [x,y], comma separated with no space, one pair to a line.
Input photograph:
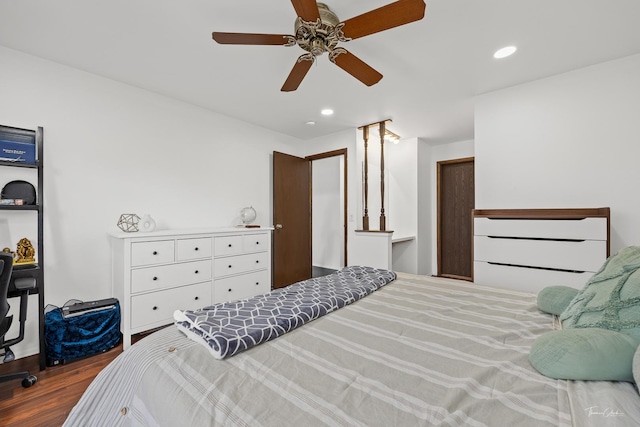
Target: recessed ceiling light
[326,112]
[310,123]
[504,52]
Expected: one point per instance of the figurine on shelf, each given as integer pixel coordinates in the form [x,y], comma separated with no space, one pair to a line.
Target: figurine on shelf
[25,252]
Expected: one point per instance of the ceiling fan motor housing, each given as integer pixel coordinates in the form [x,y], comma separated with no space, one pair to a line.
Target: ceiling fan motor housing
[320,36]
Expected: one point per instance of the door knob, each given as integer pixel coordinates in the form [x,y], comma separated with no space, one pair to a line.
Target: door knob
[278,226]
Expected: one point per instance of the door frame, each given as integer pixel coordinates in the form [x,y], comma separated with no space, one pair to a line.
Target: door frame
[335,153]
[440,219]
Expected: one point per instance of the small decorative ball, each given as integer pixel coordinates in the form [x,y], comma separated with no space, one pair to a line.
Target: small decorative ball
[248,215]
[128,223]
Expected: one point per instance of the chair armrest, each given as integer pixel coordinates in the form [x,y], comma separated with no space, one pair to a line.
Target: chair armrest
[25,283]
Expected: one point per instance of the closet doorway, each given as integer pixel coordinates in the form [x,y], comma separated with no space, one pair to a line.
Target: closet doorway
[456,200]
[328,211]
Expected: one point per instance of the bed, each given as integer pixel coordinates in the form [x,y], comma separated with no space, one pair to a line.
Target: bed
[418,351]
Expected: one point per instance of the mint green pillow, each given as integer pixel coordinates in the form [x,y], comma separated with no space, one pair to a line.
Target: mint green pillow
[585,354]
[611,298]
[555,299]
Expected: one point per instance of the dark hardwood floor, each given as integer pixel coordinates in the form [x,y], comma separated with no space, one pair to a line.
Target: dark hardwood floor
[320,271]
[48,402]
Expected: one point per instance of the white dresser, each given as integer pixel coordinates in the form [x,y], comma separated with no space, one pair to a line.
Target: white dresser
[530,249]
[154,274]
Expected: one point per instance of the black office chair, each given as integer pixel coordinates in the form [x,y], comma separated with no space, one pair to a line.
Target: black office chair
[6,267]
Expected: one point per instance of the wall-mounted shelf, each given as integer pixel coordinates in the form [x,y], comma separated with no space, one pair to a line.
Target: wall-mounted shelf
[19,208]
[37,271]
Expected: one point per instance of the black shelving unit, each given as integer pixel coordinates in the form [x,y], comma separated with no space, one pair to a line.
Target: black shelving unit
[37,270]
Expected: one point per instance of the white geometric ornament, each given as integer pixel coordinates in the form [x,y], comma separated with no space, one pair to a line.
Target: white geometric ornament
[128,223]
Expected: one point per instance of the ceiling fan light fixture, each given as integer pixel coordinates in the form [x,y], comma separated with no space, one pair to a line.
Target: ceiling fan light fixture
[327,112]
[504,52]
[317,46]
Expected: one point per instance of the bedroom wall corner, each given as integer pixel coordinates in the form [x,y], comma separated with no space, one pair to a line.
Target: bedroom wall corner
[569,140]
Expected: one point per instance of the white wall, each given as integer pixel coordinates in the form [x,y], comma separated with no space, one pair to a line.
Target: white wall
[570,140]
[404,194]
[402,186]
[111,148]
[424,230]
[327,212]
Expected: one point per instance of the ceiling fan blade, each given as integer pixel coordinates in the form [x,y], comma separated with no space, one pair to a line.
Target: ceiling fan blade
[392,15]
[253,39]
[355,66]
[300,69]
[306,9]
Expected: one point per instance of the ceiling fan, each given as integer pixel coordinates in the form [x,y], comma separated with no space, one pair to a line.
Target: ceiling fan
[318,30]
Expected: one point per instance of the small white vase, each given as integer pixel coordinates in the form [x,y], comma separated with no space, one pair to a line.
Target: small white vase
[147,224]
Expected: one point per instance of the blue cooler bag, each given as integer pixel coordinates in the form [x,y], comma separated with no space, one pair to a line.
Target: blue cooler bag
[84,333]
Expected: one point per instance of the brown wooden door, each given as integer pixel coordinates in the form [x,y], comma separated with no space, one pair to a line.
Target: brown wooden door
[292,219]
[456,200]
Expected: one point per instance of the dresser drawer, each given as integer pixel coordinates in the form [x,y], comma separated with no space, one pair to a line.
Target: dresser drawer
[157,308]
[240,264]
[586,228]
[169,276]
[227,245]
[586,255]
[525,279]
[149,253]
[255,242]
[189,249]
[241,287]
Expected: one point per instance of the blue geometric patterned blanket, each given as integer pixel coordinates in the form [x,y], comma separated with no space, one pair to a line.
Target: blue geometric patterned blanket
[230,327]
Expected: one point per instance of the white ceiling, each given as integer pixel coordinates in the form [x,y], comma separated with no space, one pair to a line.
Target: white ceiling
[432,68]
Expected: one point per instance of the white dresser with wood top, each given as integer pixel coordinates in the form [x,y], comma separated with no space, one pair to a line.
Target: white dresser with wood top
[529,249]
[156,273]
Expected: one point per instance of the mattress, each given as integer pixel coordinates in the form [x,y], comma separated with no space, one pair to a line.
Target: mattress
[419,351]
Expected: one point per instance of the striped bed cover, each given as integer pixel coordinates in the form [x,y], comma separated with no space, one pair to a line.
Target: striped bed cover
[419,351]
